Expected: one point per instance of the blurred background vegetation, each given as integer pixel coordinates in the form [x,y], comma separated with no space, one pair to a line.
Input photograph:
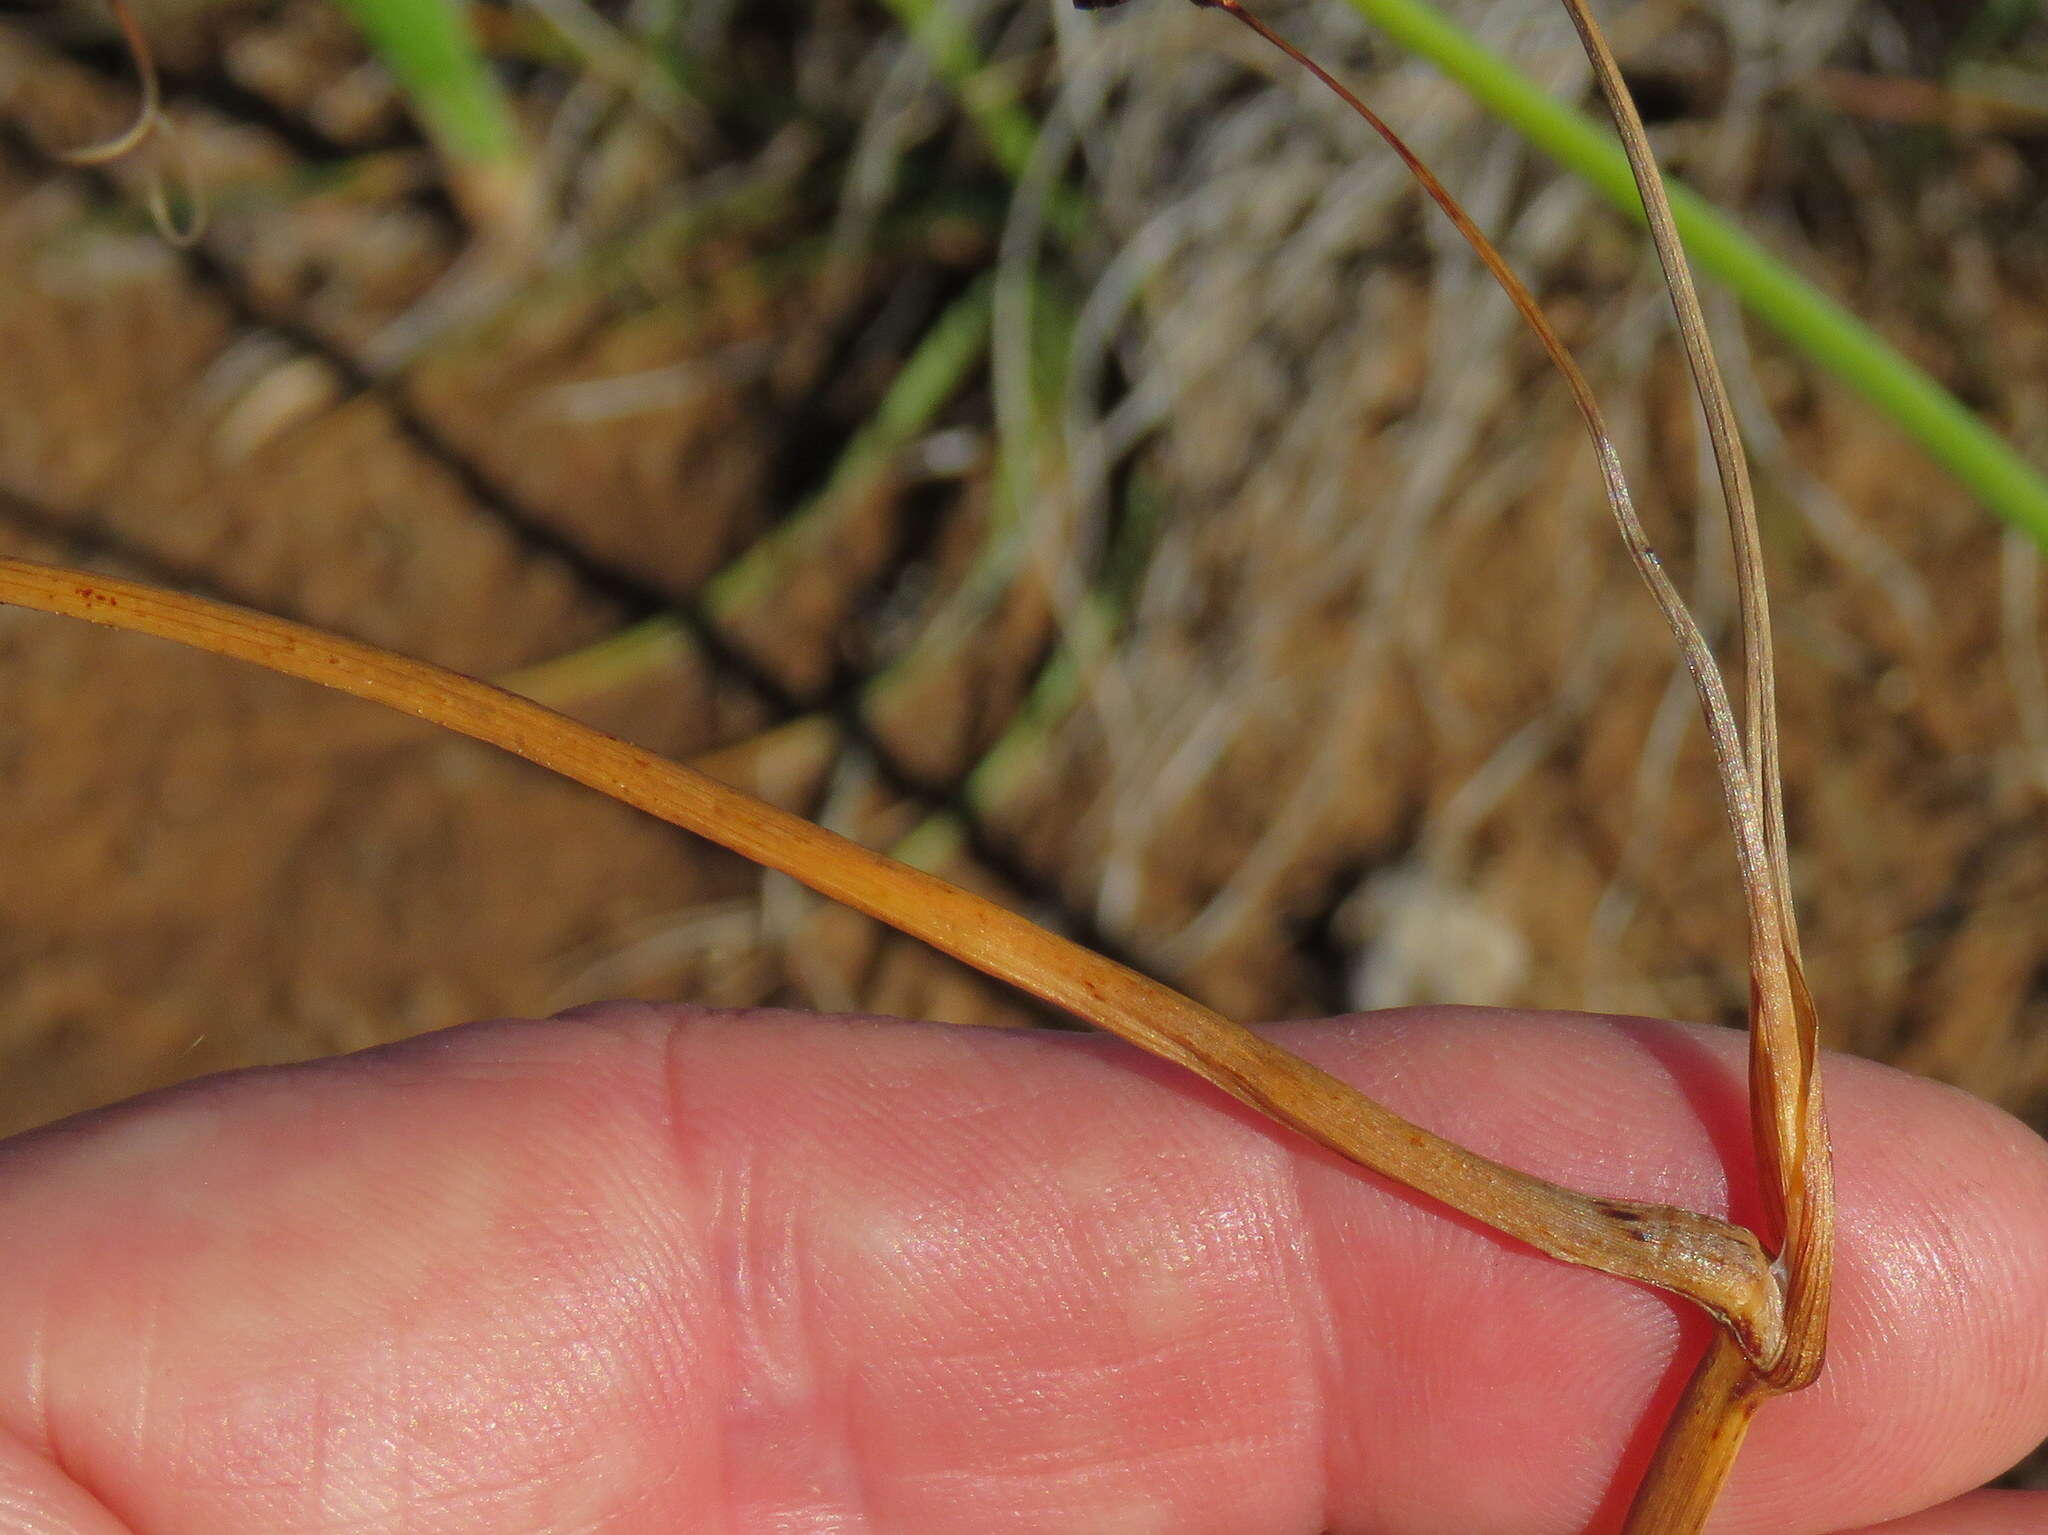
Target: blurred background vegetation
[1060,449]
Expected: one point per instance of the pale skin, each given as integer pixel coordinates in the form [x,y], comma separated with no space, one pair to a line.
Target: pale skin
[644,1269]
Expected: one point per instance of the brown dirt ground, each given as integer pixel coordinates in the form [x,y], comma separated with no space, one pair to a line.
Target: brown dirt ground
[209,867]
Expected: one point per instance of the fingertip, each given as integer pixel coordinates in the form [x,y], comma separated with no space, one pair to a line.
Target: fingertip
[1937,1374]
[1978,1513]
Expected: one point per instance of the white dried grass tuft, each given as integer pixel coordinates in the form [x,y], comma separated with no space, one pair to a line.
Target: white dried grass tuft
[1344,413]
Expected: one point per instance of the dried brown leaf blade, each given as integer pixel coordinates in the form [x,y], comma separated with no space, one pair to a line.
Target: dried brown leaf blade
[1786,1111]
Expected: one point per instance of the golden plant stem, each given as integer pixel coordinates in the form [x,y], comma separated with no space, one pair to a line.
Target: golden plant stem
[1788,1120]
[1719,1266]
[1700,1443]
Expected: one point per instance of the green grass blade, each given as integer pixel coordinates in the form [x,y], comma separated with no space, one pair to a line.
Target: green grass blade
[987,93]
[427,44]
[943,38]
[1948,432]
[925,384]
